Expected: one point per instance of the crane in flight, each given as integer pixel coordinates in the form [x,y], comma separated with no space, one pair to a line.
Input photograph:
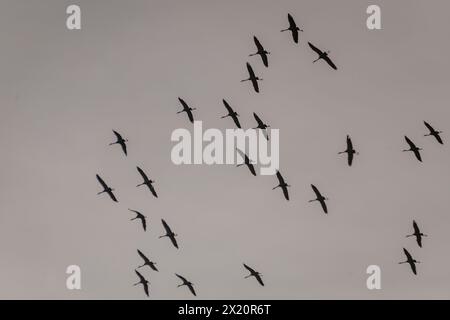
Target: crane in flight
[142,281]
[319,198]
[187,109]
[141,217]
[120,141]
[293,28]
[283,185]
[169,233]
[261,125]
[147,261]
[417,234]
[433,132]
[260,51]
[147,182]
[413,148]
[322,55]
[231,113]
[252,77]
[106,189]
[255,274]
[410,260]
[247,162]
[187,283]
[350,151]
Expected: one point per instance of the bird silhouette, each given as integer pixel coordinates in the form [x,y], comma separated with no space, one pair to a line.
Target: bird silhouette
[142,281]
[413,148]
[147,261]
[409,259]
[106,189]
[120,141]
[189,284]
[231,113]
[255,274]
[260,51]
[319,198]
[293,28]
[247,162]
[433,132]
[187,109]
[141,217]
[147,182]
[322,55]
[350,151]
[169,234]
[417,234]
[261,125]
[283,185]
[252,77]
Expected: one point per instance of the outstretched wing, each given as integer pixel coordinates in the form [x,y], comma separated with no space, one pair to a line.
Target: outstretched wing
[292,24]
[181,277]
[255,84]
[152,190]
[416,227]
[190,116]
[250,71]
[417,154]
[228,107]
[324,206]
[258,120]
[183,103]
[141,278]
[316,191]
[258,277]
[104,185]
[191,288]
[315,49]
[295,35]
[249,269]
[330,63]
[144,223]
[142,173]
[236,121]
[251,168]
[280,178]
[285,192]
[408,255]
[112,196]
[174,241]
[142,255]
[258,44]
[118,136]
[166,227]
[429,126]
[410,143]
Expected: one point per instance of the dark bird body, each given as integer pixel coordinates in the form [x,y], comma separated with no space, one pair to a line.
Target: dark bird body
[147,182]
[417,234]
[322,55]
[141,217]
[255,274]
[350,151]
[260,51]
[252,77]
[187,283]
[410,260]
[319,198]
[283,185]
[413,148]
[142,281]
[433,133]
[247,162]
[169,233]
[261,125]
[231,113]
[147,262]
[293,28]
[120,141]
[106,189]
[187,109]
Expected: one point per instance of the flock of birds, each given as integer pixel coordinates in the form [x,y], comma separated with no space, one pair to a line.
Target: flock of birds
[349,151]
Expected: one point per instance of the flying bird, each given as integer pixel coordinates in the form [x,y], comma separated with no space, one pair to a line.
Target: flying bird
[186,283]
[283,185]
[319,198]
[293,28]
[350,151]
[106,189]
[252,77]
[120,141]
[433,132]
[187,109]
[409,259]
[141,217]
[142,281]
[254,273]
[147,182]
[417,234]
[231,113]
[322,55]
[413,148]
[261,125]
[147,262]
[247,162]
[261,51]
[169,233]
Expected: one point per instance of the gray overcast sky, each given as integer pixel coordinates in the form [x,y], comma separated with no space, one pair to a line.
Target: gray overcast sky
[61,93]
